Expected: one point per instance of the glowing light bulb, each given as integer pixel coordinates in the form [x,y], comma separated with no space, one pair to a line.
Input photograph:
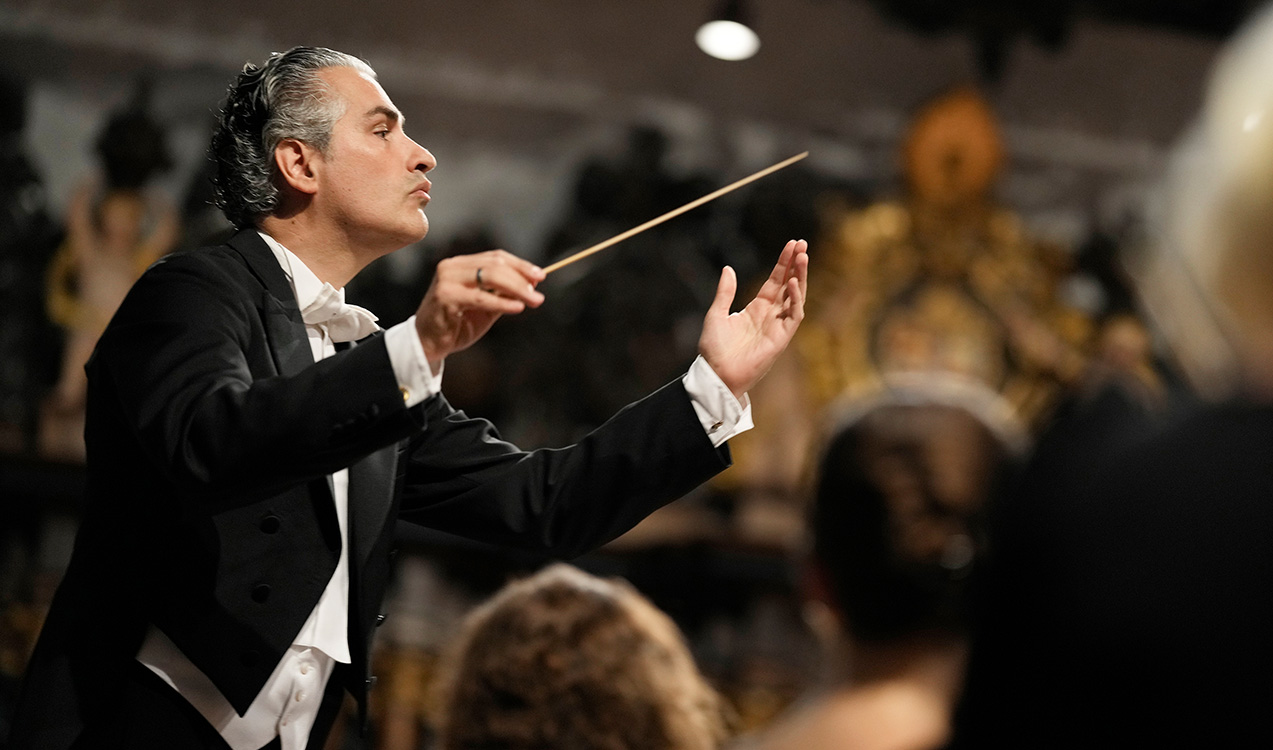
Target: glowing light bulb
[727,40]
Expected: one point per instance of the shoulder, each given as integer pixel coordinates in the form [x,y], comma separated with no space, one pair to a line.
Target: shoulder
[221,270]
[216,264]
[195,286]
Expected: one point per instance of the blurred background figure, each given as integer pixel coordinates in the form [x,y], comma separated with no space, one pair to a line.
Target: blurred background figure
[942,278]
[28,236]
[28,364]
[652,287]
[1130,601]
[898,524]
[565,660]
[115,229]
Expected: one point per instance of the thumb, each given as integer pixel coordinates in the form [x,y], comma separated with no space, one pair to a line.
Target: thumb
[725,289]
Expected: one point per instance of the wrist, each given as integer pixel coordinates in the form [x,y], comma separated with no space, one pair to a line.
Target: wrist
[433,354]
[434,357]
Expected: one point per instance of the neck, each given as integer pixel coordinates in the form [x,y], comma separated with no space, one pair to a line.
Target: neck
[331,255]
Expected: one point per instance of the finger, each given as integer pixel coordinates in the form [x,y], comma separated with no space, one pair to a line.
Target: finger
[795,301]
[789,266]
[801,262]
[797,268]
[473,299]
[725,290]
[509,280]
[778,276]
[799,255]
[531,272]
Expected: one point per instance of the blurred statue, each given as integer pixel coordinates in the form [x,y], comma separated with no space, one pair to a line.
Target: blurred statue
[115,230]
[28,237]
[943,280]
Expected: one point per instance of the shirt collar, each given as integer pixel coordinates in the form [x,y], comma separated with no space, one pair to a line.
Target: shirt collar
[305,285]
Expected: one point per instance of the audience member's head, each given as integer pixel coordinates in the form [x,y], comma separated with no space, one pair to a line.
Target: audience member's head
[898,517]
[1129,563]
[898,522]
[1209,279]
[568,661]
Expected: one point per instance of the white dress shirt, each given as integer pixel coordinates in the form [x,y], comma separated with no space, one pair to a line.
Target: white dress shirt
[288,704]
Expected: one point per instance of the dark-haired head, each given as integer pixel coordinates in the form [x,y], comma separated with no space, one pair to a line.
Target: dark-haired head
[899,512]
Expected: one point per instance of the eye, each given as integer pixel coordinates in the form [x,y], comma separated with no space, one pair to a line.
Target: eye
[383,134]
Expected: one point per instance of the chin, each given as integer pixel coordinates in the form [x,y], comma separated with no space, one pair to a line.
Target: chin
[418,228]
[413,233]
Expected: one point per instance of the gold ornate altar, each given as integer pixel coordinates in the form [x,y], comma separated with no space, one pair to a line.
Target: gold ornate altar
[941,280]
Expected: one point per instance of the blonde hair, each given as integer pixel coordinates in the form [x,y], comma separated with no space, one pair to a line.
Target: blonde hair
[569,661]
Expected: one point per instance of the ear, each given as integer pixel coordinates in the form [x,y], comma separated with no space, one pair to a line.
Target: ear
[297,164]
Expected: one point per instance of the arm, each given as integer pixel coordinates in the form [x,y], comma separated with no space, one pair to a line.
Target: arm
[464,480]
[187,370]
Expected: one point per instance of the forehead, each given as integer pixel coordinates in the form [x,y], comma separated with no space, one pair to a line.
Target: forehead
[361,93]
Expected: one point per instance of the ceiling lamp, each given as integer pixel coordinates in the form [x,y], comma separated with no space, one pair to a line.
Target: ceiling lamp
[726,36]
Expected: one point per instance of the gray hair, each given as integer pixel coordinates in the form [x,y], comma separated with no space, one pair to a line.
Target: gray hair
[284,98]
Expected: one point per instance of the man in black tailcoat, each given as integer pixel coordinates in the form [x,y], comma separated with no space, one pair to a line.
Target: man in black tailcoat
[252,438]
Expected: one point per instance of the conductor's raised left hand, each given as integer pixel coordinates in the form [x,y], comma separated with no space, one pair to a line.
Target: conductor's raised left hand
[741,347]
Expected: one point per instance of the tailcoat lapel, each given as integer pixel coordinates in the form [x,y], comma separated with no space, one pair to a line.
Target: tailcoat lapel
[371,478]
[282,317]
[289,342]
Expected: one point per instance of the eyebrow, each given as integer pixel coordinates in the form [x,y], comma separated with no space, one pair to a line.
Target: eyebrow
[393,114]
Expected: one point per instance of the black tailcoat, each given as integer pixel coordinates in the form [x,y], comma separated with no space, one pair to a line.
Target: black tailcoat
[211,433]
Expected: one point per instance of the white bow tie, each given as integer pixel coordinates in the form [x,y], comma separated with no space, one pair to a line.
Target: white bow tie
[343,322]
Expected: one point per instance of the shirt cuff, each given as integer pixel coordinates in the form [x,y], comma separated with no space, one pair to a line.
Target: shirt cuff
[721,415]
[411,368]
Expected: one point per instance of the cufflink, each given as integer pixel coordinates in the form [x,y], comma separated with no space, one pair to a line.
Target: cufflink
[406,394]
[716,427]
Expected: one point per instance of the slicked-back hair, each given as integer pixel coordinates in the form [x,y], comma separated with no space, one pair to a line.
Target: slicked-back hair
[284,98]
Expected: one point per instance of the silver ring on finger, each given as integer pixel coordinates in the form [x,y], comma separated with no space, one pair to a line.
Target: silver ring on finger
[480,285]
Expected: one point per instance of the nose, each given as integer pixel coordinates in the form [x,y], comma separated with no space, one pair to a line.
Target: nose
[424,160]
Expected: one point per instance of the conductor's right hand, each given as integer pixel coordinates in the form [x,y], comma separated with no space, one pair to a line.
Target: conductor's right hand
[468,294]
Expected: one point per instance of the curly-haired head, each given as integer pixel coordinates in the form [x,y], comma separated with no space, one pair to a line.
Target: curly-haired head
[564,660]
[284,98]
